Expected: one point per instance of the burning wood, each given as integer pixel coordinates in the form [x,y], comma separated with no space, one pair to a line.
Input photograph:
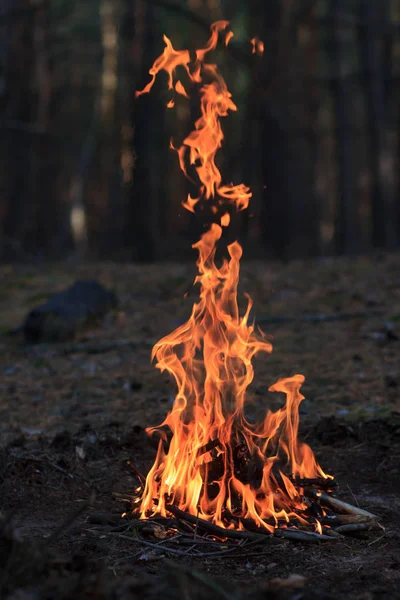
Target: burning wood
[220,472]
[209,527]
[208,447]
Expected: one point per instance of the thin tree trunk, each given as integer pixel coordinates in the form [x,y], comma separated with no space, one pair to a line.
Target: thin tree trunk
[102,143]
[266,19]
[127,78]
[50,224]
[289,214]
[17,109]
[346,230]
[309,243]
[144,227]
[381,161]
[5,68]
[139,227]
[37,218]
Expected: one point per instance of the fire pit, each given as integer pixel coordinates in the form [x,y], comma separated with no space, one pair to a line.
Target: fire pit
[216,475]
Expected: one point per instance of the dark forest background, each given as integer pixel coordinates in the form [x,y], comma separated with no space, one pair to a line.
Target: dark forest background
[85,168]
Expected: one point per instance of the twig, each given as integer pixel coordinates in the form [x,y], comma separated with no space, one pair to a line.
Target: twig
[337,505]
[358,527]
[196,526]
[138,540]
[353,519]
[138,474]
[319,482]
[207,447]
[352,493]
[302,536]
[121,497]
[331,533]
[43,460]
[377,539]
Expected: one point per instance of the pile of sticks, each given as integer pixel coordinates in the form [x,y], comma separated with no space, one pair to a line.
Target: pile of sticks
[189,535]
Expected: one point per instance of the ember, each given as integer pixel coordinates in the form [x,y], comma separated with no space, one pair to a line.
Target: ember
[220,470]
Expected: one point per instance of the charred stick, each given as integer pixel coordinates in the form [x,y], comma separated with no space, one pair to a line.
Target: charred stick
[215,529]
[208,447]
[122,497]
[331,521]
[354,527]
[249,524]
[188,527]
[302,536]
[354,519]
[252,527]
[337,505]
[331,533]
[319,482]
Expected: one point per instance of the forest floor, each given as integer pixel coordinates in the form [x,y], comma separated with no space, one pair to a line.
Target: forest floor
[71,416]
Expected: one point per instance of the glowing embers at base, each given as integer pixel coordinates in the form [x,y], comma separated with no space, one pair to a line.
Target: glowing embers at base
[216,465]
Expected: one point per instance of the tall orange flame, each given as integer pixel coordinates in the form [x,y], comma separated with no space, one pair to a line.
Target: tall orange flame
[218,463]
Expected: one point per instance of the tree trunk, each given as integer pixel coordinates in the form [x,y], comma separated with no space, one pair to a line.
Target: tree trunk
[346,230]
[144,227]
[102,144]
[50,227]
[35,223]
[266,20]
[17,138]
[289,219]
[374,17]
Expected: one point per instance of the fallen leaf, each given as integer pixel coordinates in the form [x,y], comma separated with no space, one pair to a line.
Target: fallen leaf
[80,453]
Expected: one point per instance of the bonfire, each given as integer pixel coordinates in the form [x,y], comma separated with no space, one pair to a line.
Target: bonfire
[213,466]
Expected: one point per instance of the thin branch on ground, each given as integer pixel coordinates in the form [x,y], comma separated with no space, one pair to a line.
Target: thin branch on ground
[303,536]
[356,527]
[137,540]
[44,460]
[219,531]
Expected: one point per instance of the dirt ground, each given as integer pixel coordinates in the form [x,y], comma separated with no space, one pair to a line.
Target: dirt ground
[72,416]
